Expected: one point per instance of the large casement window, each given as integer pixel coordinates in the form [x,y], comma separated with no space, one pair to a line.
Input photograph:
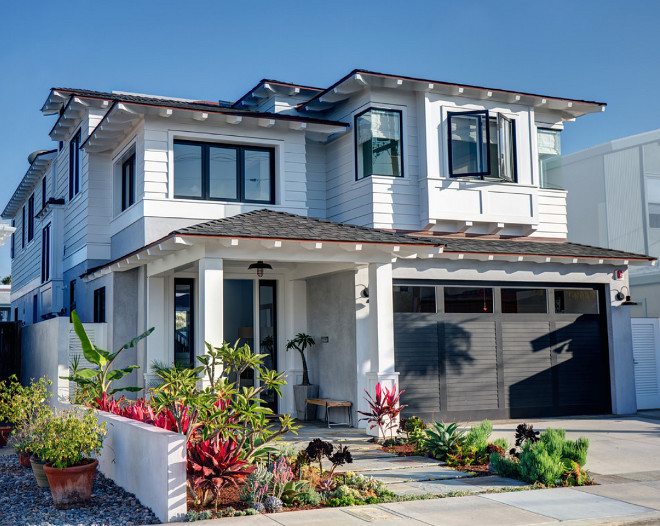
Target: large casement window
[378,145]
[549,146]
[128,183]
[99,305]
[45,253]
[224,172]
[481,145]
[74,165]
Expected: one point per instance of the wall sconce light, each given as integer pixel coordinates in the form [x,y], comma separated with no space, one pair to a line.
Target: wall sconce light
[620,296]
[260,266]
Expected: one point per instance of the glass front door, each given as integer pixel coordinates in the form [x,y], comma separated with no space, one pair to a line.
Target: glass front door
[183,322]
[268,333]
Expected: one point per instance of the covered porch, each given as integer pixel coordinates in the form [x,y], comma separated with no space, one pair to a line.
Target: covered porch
[331,281]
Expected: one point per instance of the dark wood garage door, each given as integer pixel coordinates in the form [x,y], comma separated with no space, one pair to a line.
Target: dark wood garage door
[471,351]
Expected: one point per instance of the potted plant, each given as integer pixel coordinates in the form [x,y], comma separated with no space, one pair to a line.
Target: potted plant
[304,390]
[68,441]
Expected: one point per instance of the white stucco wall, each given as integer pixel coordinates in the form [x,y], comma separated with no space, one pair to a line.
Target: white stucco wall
[147,461]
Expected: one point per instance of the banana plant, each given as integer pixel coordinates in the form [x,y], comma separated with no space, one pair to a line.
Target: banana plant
[99,379]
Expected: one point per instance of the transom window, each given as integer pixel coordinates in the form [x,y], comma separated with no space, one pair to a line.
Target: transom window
[378,146]
[224,172]
[481,145]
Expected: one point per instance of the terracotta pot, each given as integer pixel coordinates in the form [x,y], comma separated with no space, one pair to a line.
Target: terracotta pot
[38,470]
[4,435]
[71,487]
[24,459]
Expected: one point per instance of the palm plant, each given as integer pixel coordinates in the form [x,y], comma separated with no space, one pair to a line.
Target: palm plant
[300,343]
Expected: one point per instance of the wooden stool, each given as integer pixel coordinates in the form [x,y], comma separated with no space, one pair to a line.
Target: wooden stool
[328,403]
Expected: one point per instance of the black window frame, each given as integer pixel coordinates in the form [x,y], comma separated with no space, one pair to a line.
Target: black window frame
[355,142]
[128,165]
[190,283]
[74,166]
[449,143]
[44,199]
[72,296]
[12,251]
[30,218]
[240,172]
[45,253]
[23,227]
[99,305]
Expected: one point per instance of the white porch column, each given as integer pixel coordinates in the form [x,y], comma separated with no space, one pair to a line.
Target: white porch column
[381,333]
[295,316]
[156,344]
[210,297]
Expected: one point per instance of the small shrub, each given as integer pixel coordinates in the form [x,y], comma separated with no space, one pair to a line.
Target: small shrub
[538,465]
[504,466]
[502,442]
[478,436]
[576,450]
[310,496]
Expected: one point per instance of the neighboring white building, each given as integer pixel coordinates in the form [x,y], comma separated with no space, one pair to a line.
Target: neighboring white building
[402,221]
[614,201]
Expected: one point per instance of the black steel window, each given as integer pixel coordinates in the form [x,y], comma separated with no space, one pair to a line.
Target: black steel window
[224,172]
[45,253]
[30,229]
[481,146]
[378,145]
[74,165]
[184,312]
[72,295]
[99,305]
[13,223]
[23,227]
[128,183]
[44,196]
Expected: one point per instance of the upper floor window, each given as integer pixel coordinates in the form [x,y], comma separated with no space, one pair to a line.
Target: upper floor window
[224,172]
[378,146]
[30,219]
[23,227]
[549,146]
[74,165]
[481,145]
[128,183]
[45,253]
[44,193]
[653,200]
[99,305]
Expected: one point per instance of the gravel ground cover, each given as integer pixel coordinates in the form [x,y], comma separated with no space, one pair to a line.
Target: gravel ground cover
[23,503]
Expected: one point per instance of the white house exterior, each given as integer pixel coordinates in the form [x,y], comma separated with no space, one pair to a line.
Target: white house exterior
[614,201]
[403,220]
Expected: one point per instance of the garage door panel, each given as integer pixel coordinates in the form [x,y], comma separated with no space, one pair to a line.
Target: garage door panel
[416,360]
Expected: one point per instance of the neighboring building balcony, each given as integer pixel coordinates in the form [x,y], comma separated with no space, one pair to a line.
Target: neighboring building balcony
[485,207]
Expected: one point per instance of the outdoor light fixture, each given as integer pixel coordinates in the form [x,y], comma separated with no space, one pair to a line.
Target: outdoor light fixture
[260,266]
[620,296]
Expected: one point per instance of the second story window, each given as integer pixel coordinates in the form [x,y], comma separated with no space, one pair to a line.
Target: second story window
[481,145]
[30,219]
[224,172]
[13,223]
[549,146]
[378,146]
[44,193]
[45,253]
[128,183]
[23,227]
[74,165]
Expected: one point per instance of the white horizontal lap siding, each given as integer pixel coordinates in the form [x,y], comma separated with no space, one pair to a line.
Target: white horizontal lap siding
[379,201]
[552,214]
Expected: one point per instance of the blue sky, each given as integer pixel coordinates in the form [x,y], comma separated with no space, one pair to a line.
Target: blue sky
[600,50]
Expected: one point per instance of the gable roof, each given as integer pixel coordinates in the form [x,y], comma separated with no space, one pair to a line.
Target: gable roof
[270,224]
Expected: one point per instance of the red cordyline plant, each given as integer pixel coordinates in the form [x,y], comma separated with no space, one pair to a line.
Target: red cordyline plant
[213,464]
[384,409]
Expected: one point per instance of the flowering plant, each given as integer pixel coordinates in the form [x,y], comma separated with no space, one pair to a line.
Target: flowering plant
[384,409]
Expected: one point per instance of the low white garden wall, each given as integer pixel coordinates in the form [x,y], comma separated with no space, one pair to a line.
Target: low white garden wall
[147,461]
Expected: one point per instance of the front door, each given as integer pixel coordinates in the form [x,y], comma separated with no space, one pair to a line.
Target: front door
[254,327]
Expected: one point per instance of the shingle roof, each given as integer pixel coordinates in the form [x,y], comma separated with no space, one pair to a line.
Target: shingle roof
[270,224]
[532,248]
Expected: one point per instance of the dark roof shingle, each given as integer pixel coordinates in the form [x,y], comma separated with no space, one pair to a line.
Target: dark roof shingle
[270,224]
